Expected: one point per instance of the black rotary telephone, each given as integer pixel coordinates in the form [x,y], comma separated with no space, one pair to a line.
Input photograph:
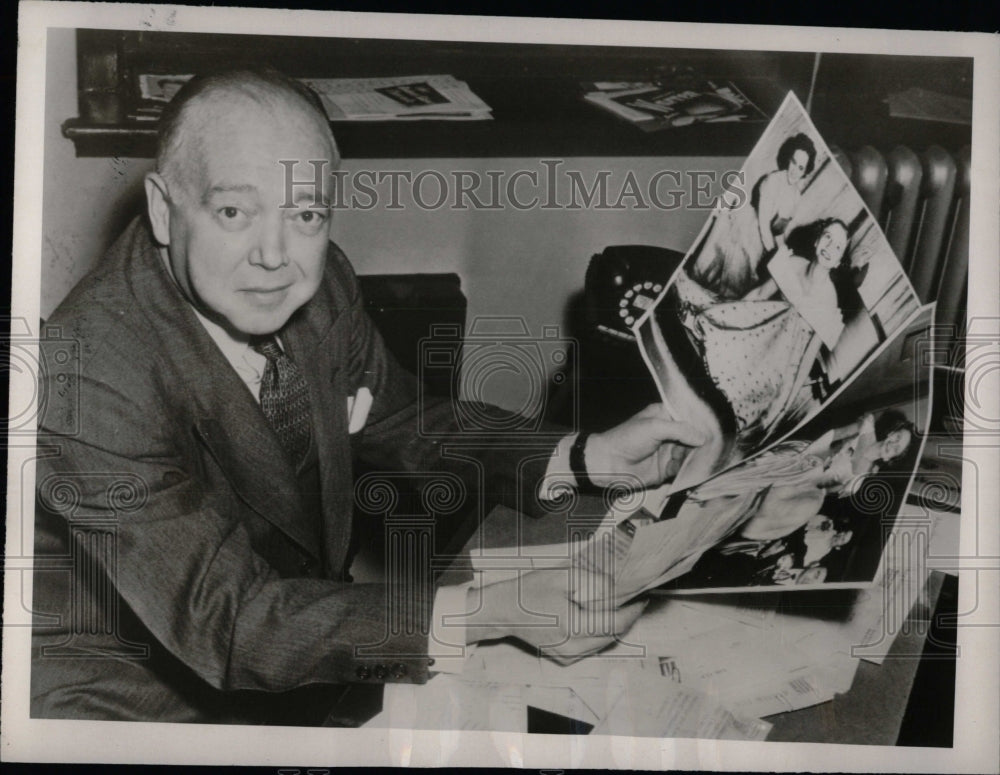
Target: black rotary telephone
[623,282]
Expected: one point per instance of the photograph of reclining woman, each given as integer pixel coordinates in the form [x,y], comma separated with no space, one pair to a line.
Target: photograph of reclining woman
[788,292]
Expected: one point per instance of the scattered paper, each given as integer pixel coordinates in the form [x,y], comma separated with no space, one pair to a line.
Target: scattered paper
[670,710]
[449,702]
[161,88]
[802,688]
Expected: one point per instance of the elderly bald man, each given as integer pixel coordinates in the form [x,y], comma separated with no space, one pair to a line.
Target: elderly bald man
[204,439]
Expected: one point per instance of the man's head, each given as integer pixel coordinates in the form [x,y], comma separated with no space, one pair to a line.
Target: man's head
[896,436]
[245,246]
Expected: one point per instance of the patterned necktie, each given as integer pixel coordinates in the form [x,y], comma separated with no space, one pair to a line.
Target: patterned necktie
[284,397]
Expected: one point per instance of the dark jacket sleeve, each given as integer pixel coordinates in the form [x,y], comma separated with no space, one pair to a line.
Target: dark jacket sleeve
[187,557]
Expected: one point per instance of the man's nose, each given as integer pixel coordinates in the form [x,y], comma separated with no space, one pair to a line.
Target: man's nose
[270,251]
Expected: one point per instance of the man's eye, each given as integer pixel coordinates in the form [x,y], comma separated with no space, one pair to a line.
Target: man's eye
[232,217]
[310,221]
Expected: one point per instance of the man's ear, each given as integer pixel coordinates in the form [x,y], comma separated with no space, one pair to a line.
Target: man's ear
[158,206]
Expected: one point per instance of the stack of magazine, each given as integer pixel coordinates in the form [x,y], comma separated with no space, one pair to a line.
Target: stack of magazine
[655,105]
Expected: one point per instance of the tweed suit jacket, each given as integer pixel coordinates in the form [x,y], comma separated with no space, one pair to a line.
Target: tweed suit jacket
[177,577]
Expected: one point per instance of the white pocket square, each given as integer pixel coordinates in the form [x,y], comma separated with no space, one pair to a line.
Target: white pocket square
[358,407]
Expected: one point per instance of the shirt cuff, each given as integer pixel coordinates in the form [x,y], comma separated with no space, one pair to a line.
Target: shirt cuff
[559,476]
[447,647]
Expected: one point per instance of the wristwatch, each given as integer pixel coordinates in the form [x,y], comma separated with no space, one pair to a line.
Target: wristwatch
[578,464]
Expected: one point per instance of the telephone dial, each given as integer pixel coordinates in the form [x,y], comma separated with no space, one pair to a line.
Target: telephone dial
[623,282]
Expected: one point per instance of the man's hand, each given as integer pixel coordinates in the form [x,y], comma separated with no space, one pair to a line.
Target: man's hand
[648,446]
[539,608]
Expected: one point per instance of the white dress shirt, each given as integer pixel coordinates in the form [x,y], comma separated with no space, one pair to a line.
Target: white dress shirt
[249,363]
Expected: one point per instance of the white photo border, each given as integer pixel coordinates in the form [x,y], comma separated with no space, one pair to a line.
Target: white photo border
[975,750]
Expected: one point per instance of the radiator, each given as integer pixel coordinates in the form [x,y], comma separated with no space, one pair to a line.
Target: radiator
[922,204]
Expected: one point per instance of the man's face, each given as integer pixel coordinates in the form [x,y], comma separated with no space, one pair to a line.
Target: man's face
[238,254]
[896,443]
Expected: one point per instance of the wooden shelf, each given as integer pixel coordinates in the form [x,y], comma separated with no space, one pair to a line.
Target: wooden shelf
[534,90]
[578,131]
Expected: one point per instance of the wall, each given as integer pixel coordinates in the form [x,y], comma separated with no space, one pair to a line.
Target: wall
[525,264]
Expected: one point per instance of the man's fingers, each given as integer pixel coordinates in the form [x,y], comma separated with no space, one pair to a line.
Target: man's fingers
[654,410]
[626,615]
[576,649]
[667,429]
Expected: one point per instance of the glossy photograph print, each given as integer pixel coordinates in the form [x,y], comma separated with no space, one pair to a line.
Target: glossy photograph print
[788,291]
[820,509]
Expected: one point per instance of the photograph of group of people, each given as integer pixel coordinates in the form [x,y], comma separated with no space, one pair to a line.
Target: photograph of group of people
[789,290]
[817,508]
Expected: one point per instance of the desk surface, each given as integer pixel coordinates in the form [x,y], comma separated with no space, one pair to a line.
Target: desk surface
[871,713]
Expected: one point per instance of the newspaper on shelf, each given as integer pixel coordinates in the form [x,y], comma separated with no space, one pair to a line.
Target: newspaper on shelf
[399,98]
[652,106]
[412,97]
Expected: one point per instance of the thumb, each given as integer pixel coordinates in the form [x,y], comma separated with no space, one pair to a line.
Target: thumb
[653,410]
[682,432]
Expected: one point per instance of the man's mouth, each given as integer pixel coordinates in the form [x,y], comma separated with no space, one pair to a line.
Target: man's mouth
[266,296]
[267,289]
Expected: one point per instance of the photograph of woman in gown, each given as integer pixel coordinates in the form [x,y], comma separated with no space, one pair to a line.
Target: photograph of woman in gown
[731,267]
[779,502]
[783,298]
[759,350]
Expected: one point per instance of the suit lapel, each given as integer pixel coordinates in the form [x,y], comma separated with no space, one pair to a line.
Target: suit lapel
[236,432]
[226,417]
[257,469]
[307,339]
